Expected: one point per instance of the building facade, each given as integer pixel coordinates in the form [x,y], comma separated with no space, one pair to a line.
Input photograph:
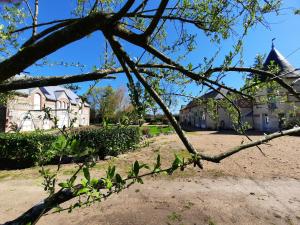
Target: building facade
[43,108]
[260,115]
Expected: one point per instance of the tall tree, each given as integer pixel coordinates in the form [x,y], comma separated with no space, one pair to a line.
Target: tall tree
[105,102]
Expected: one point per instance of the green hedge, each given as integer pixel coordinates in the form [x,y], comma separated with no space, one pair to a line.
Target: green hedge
[109,141]
[23,149]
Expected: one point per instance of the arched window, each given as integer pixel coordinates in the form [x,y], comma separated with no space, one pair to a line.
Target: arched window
[37,101]
[58,105]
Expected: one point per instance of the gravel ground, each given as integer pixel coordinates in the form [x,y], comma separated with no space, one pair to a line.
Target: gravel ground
[247,188]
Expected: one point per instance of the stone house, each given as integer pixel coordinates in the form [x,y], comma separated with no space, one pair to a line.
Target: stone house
[260,115]
[196,113]
[29,109]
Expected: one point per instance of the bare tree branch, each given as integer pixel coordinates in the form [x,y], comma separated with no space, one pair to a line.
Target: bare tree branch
[43,81]
[27,56]
[56,80]
[40,25]
[156,19]
[140,7]
[118,50]
[219,157]
[278,79]
[122,11]
[35,17]
[46,32]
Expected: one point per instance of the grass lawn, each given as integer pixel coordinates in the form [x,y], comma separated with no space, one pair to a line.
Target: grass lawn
[154,130]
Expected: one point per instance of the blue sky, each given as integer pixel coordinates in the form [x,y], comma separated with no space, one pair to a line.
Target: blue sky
[88,51]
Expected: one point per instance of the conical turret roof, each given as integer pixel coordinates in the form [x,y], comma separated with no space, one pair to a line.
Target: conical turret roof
[287,70]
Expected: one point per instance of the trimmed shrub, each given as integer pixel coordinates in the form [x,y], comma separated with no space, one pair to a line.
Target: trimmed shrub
[23,150]
[292,123]
[109,141]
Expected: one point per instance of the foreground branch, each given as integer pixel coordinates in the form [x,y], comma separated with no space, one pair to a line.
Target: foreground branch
[57,80]
[270,75]
[118,50]
[217,158]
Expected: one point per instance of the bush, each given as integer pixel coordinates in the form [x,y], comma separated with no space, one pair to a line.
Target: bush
[20,150]
[23,149]
[292,123]
[109,141]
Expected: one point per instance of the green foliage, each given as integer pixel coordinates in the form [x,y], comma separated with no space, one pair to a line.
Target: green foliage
[105,103]
[4,97]
[108,141]
[24,148]
[48,180]
[292,123]
[37,147]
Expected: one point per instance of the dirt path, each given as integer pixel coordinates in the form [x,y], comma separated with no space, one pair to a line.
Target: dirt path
[248,188]
[193,201]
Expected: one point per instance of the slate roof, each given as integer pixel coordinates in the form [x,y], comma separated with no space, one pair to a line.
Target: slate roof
[211,94]
[50,93]
[286,68]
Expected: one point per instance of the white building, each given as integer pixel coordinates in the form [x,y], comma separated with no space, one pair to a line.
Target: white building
[30,109]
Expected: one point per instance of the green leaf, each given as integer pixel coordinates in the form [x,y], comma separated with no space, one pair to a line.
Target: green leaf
[119,179]
[111,172]
[84,182]
[72,180]
[139,180]
[109,184]
[64,185]
[157,165]
[145,166]
[86,173]
[83,191]
[94,182]
[75,145]
[136,168]
[177,162]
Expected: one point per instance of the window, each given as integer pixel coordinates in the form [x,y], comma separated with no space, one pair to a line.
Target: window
[58,105]
[37,101]
[266,119]
[203,116]
[80,108]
